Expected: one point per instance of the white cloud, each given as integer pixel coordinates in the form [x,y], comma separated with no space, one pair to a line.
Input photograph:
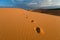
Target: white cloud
[36,4]
[32,3]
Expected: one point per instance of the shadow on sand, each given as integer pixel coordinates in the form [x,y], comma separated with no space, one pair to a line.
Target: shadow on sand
[55,12]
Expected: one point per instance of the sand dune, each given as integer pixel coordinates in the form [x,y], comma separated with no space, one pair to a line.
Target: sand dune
[19,24]
[55,12]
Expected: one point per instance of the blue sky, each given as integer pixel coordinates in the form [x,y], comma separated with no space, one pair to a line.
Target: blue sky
[30,4]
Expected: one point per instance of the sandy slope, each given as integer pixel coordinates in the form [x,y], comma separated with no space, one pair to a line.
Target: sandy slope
[19,24]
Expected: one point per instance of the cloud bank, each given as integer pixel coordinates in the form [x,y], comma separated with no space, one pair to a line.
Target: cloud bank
[30,4]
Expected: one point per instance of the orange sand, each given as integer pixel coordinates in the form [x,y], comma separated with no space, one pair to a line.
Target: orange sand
[15,24]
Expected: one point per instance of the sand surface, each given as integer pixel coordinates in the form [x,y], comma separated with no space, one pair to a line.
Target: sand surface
[19,24]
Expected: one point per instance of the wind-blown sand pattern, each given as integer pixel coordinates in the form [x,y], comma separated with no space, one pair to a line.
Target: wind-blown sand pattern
[19,24]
